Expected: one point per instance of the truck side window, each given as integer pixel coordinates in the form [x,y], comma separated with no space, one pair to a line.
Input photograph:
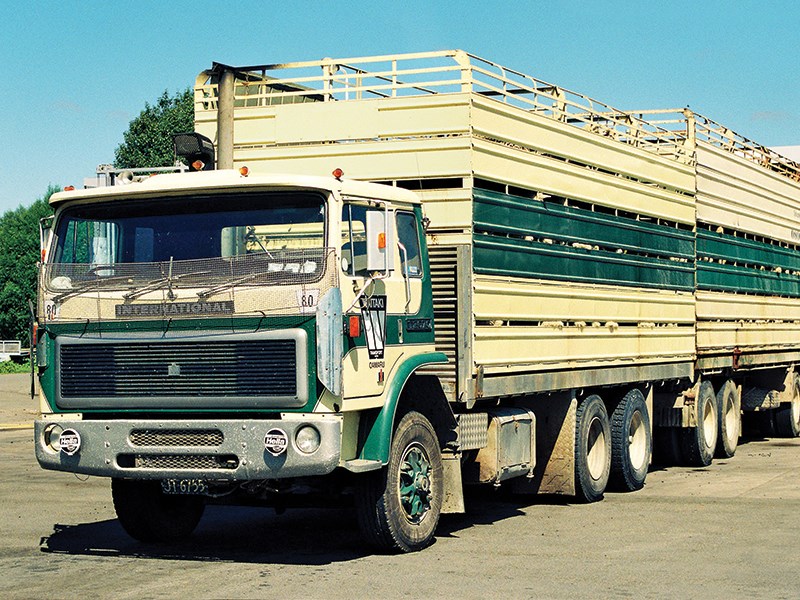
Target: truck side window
[408,236]
[354,240]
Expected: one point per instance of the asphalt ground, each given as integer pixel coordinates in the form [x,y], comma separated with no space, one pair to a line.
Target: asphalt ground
[729,530]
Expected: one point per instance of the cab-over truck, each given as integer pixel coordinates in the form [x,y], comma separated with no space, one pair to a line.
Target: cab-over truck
[387,277]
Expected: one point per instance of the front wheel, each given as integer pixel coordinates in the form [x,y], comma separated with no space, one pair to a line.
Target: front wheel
[399,506]
[149,515]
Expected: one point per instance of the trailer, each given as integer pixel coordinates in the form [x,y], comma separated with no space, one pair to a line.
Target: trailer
[411,273]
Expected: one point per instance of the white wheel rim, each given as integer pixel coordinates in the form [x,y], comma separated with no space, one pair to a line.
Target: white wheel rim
[731,422]
[709,424]
[637,441]
[796,412]
[596,455]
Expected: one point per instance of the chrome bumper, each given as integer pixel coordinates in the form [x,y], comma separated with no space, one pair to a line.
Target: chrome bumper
[229,450]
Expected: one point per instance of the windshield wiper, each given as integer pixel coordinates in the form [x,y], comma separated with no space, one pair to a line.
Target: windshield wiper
[155,285]
[228,284]
[82,286]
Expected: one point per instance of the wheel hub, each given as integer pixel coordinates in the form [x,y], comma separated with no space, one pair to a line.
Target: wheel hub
[415,483]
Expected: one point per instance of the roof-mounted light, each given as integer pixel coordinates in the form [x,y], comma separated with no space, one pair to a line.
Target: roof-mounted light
[338,174]
[244,171]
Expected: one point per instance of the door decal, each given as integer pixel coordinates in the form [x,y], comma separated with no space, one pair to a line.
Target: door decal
[373,313]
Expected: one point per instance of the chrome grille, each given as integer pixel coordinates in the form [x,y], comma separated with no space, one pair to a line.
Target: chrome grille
[179,461]
[176,437]
[257,370]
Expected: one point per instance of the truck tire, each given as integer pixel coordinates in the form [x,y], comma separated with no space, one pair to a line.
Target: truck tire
[592,449]
[630,443]
[700,442]
[787,416]
[399,506]
[148,515]
[729,422]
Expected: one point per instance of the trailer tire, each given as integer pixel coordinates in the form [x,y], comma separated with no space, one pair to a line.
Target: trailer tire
[398,507]
[787,416]
[592,449]
[630,443]
[148,515]
[701,441]
[729,422]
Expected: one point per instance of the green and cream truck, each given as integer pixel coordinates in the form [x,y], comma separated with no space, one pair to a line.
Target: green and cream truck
[388,277]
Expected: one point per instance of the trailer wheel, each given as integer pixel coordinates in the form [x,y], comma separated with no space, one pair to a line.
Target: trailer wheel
[148,515]
[399,506]
[729,420]
[700,441]
[630,443]
[787,417]
[592,449]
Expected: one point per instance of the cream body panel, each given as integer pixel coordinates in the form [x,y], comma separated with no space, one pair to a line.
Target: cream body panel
[525,169]
[721,306]
[747,336]
[512,125]
[497,298]
[741,195]
[513,349]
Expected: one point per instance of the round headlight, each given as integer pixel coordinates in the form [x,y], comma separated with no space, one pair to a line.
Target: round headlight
[51,434]
[307,439]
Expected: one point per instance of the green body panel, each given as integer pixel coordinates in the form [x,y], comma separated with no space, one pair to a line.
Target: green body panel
[502,213]
[630,252]
[379,438]
[754,271]
[241,325]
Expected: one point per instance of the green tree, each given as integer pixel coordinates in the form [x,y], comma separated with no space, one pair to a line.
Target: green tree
[148,140]
[19,254]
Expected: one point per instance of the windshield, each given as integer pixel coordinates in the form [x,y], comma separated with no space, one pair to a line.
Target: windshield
[191,242]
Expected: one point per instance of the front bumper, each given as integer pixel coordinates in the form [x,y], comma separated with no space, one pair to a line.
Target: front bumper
[221,450]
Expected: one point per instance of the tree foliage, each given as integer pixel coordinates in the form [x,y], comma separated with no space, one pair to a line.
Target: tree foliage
[148,140]
[19,254]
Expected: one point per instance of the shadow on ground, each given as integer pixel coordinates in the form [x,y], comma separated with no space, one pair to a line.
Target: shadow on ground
[258,535]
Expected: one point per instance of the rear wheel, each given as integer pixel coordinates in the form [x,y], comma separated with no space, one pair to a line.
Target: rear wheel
[787,416]
[399,506]
[149,515]
[729,420]
[630,443]
[592,449]
[700,441]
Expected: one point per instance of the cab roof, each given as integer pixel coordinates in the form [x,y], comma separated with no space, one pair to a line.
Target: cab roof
[178,184]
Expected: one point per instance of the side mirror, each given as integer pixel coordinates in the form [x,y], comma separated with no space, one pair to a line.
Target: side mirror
[380,241]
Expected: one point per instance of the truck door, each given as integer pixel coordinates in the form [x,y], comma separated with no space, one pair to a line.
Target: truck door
[371,356]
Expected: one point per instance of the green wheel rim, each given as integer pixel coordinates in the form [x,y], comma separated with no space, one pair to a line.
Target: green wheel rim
[415,483]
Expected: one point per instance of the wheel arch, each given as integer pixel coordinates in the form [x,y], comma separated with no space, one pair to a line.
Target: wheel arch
[406,392]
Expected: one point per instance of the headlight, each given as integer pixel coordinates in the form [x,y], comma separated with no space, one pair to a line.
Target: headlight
[51,434]
[307,439]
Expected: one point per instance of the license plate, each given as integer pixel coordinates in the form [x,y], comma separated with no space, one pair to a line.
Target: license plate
[192,487]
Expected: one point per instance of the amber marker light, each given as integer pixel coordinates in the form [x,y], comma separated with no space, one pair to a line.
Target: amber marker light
[69,188]
[338,173]
[198,165]
[244,171]
[354,326]
[381,241]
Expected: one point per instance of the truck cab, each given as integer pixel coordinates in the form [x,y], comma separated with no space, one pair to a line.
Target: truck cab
[206,333]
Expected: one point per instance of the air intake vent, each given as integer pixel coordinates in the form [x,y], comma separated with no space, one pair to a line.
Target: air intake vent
[253,371]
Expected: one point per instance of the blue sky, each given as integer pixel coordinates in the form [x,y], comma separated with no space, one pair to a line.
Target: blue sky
[75,73]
